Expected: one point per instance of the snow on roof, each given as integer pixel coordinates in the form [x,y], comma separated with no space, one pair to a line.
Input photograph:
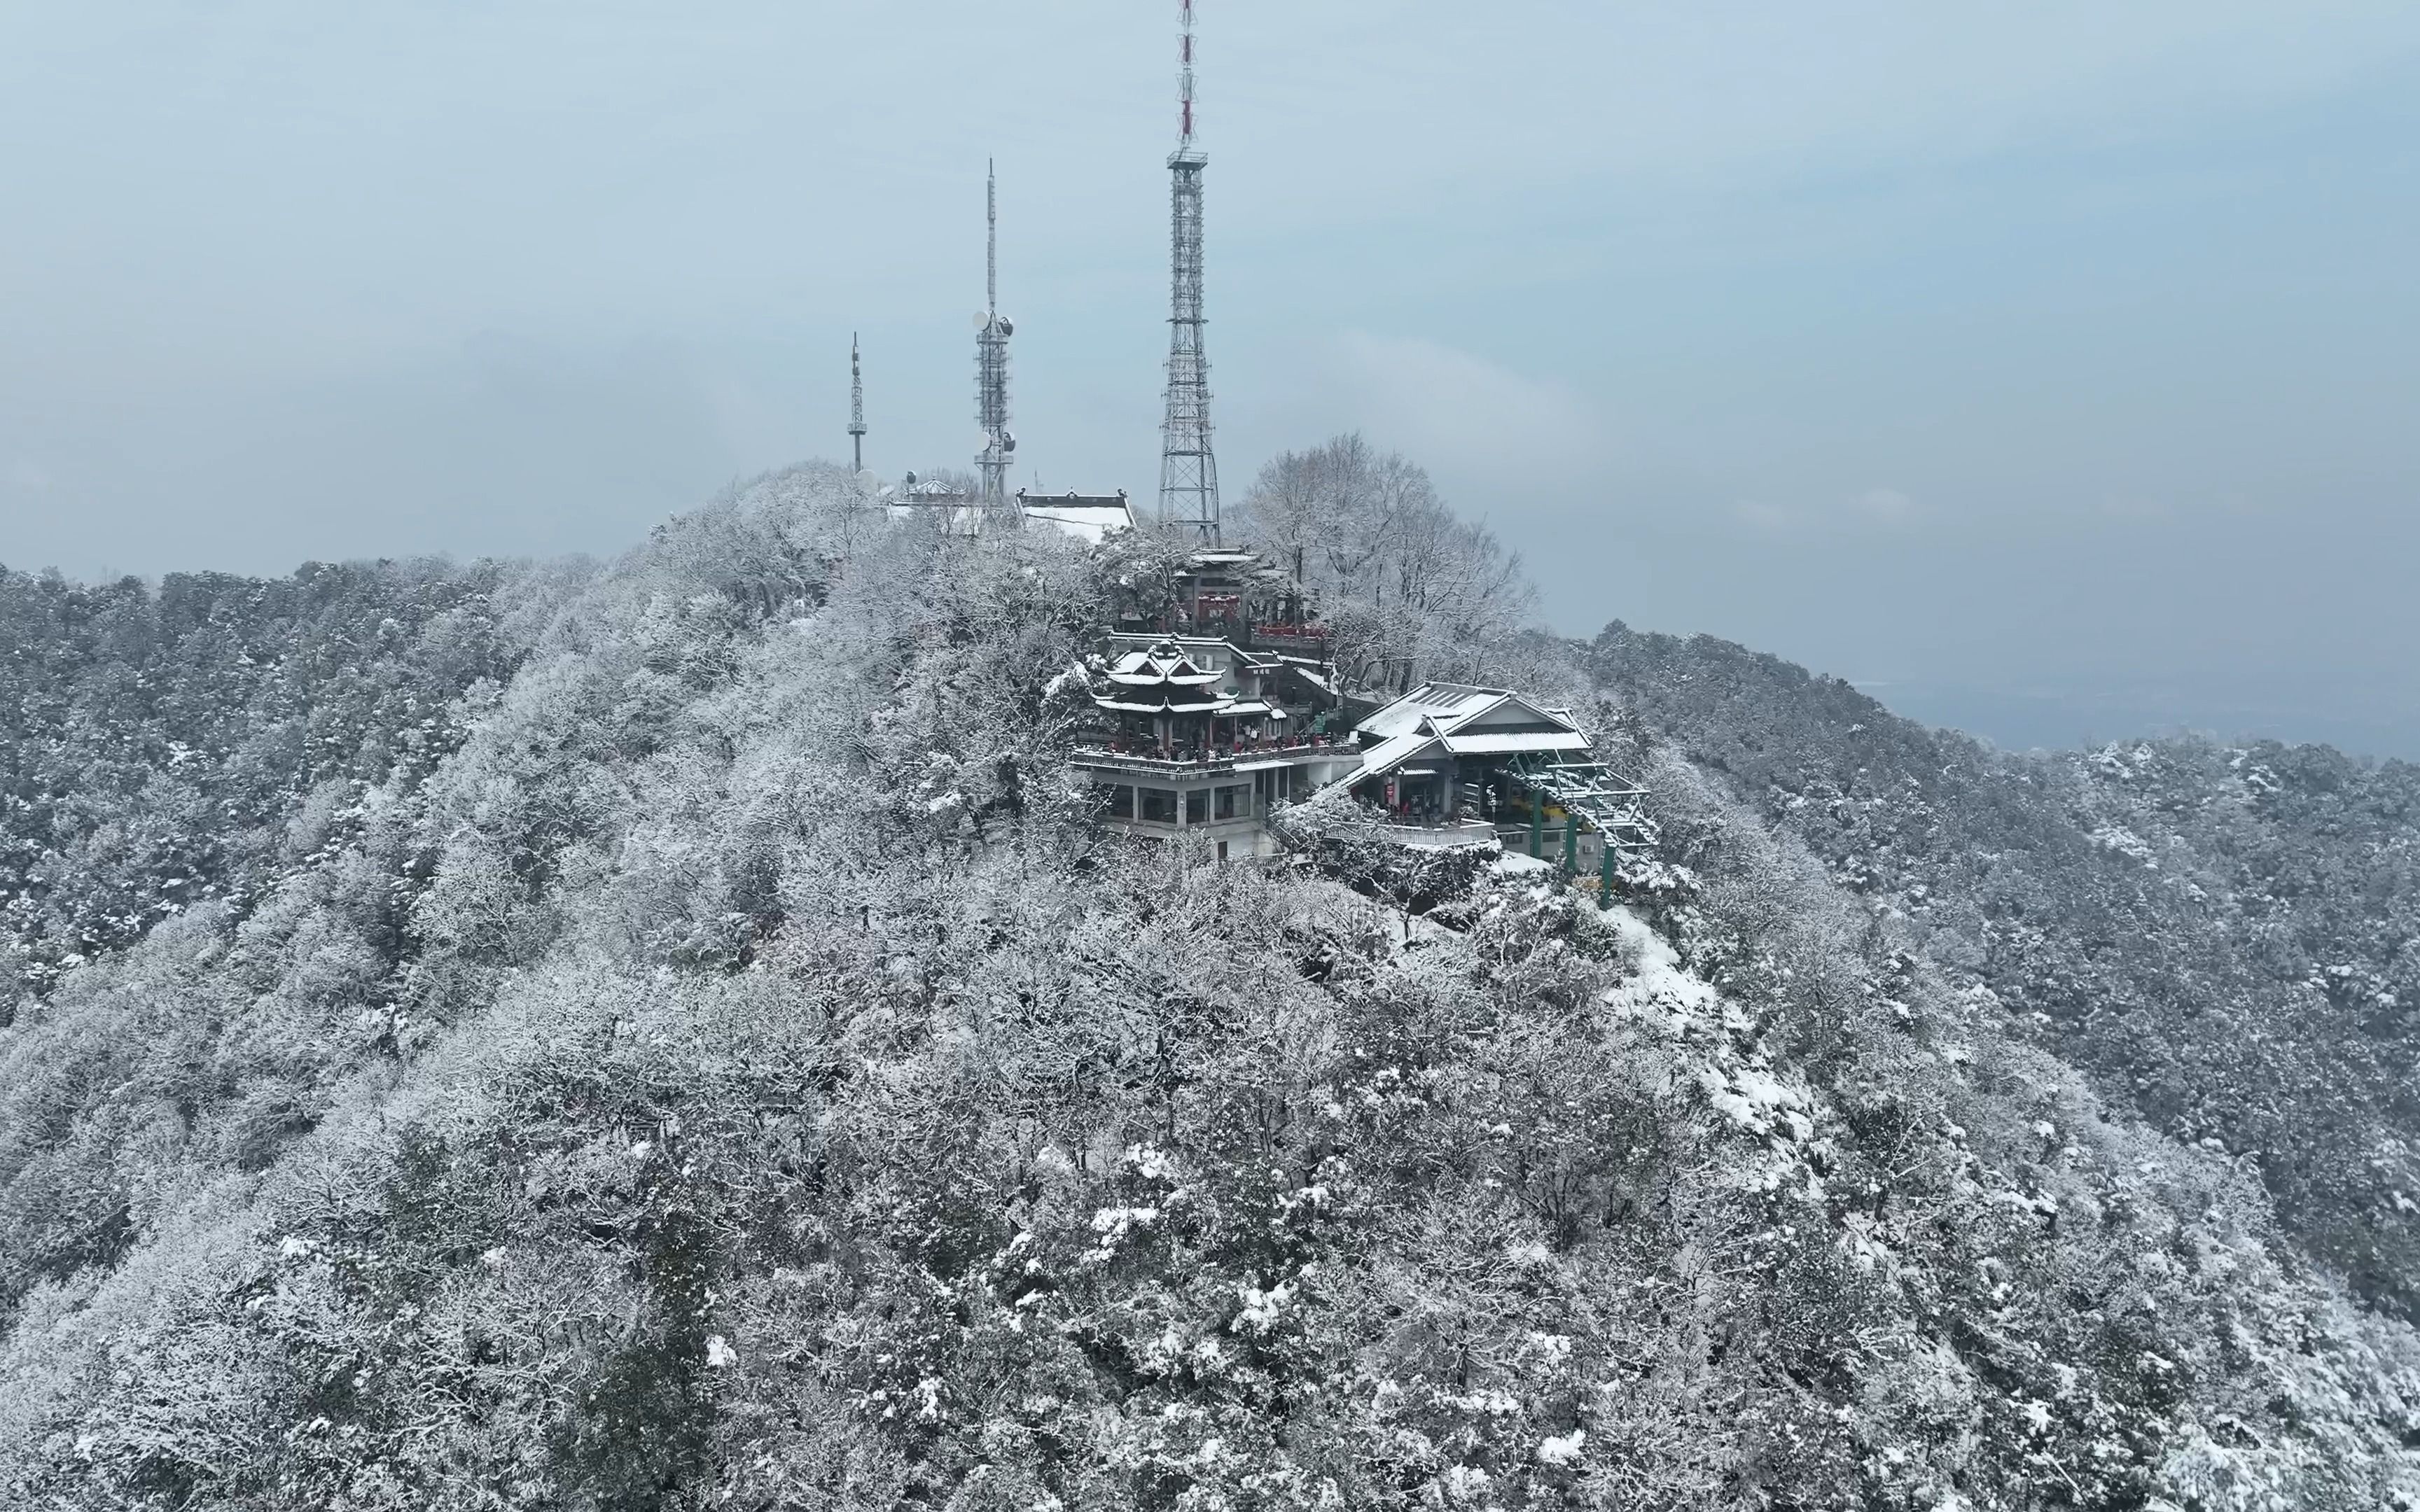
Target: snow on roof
[1165,704]
[1086,516]
[1387,755]
[1508,742]
[1453,706]
[1201,650]
[1449,704]
[1160,663]
[1161,678]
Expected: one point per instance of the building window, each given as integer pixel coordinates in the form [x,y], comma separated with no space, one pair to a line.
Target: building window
[1228,801]
[1197,806]
[1159,806]
[1116,800]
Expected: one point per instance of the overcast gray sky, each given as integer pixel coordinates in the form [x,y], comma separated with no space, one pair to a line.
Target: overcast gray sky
[2049,367]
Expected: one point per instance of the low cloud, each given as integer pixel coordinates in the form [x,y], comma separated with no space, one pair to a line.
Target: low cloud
[1875,507]
[1462,413]
[1886,504]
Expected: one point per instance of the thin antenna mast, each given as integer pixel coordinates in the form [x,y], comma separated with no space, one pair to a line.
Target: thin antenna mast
[992,359]
[856,409]
[1189,472]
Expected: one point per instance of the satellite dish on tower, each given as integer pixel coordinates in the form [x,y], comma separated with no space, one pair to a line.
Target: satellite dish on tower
[1007,441]
[982,319]
[1007,326]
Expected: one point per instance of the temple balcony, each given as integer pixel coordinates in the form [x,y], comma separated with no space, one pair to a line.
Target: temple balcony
[1144,756]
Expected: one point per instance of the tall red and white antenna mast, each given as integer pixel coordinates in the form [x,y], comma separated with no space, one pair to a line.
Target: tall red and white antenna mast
[1188,474]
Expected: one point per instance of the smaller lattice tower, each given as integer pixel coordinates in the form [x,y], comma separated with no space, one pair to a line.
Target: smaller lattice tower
[1188,474]
[856,409]
[992,330]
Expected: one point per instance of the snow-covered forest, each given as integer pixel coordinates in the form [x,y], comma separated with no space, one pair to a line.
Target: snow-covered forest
[670,1035]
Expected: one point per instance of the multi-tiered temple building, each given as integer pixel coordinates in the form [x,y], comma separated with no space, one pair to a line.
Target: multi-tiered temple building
[1221,704]
[1197,735]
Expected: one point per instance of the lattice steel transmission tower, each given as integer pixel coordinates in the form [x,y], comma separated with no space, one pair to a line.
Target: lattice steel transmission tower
[856,409]
[1188,474]
[992,330]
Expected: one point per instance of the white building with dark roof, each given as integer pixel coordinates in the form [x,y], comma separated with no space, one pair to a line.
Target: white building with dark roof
[1088,517]
[1085,518]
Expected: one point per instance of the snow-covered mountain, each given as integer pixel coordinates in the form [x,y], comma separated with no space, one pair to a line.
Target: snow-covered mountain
[2224,938]
[671,1036]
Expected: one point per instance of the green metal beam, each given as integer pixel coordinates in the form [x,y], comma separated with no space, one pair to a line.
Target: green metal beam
[1588,791]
